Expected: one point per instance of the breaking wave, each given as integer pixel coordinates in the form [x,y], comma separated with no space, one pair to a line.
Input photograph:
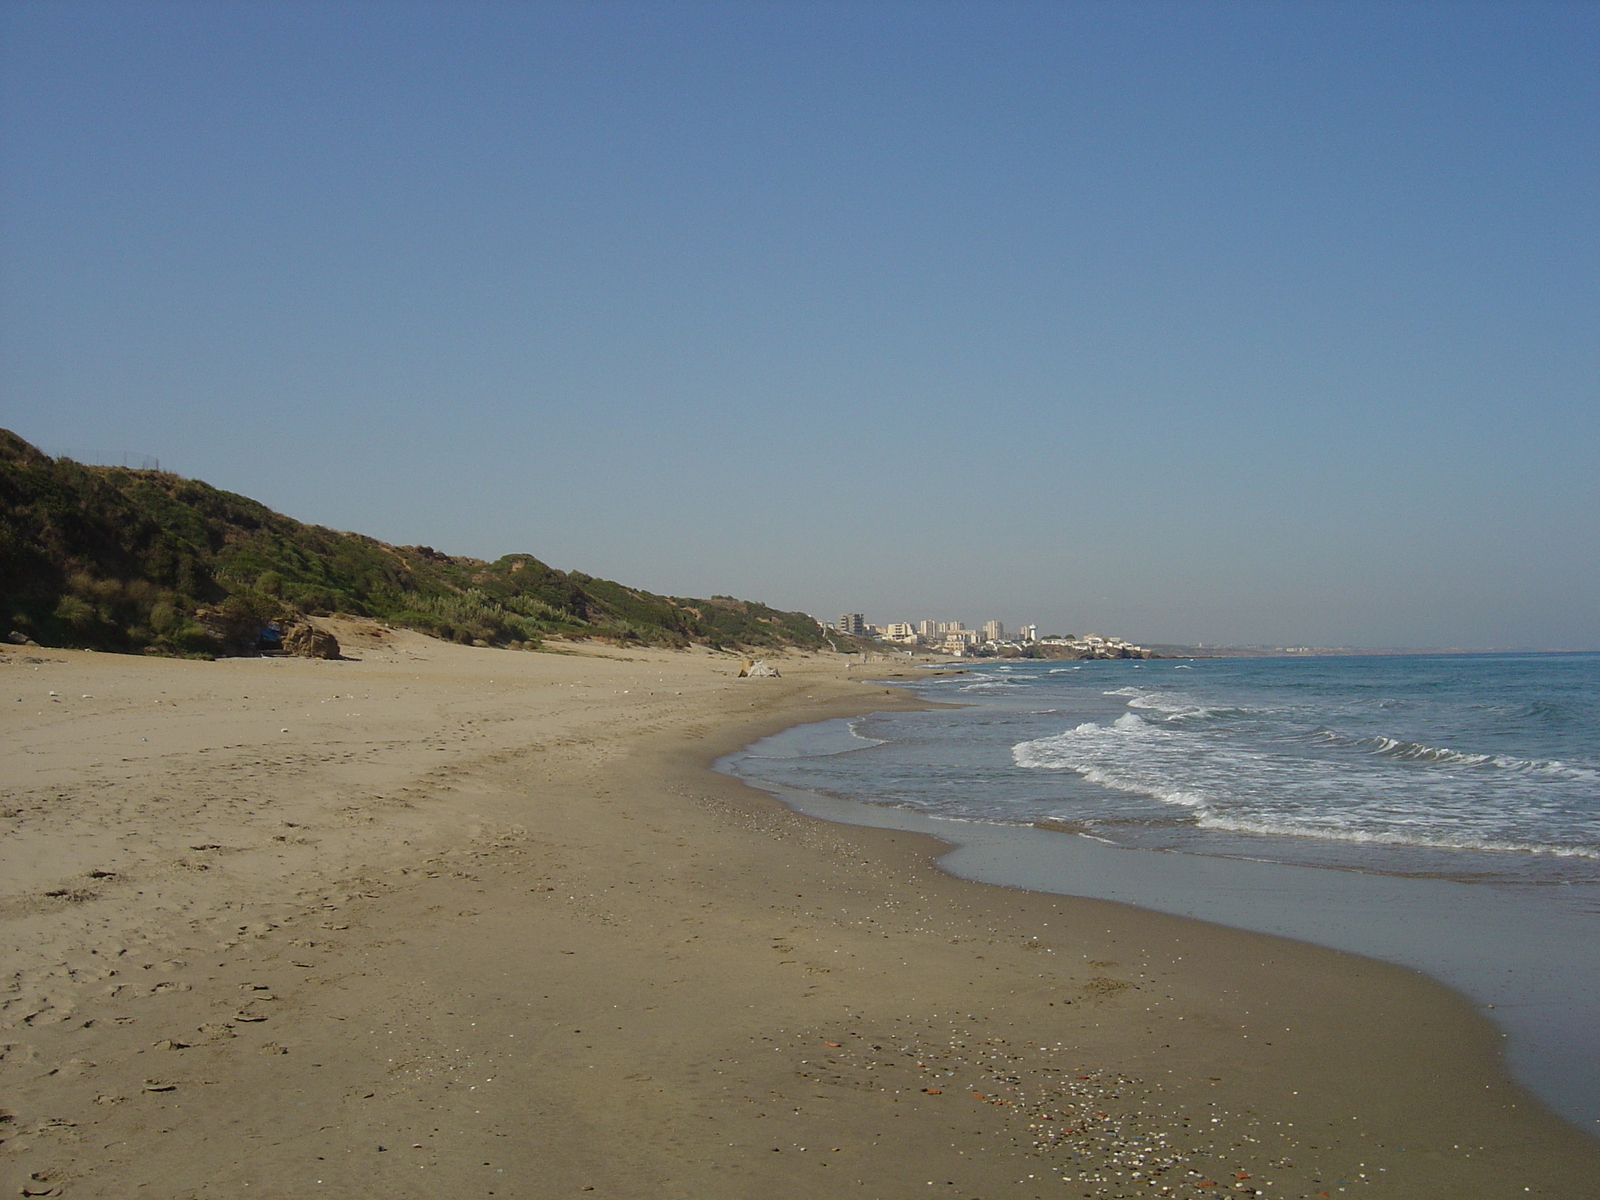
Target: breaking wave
[1266,787]
[1406,751]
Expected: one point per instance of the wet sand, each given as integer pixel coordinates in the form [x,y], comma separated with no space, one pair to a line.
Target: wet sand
[485,923]
[1527,957]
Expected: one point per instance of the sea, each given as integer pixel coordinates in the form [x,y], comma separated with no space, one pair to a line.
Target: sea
[1438,811]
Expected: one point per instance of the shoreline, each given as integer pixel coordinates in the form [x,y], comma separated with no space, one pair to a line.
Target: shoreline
[774,1005]
[1518,951]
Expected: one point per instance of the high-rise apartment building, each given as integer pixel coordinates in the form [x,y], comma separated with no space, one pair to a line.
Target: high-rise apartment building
[993,631]
[853,624]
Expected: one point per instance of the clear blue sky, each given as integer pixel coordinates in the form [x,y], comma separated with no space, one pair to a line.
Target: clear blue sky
[1186,321]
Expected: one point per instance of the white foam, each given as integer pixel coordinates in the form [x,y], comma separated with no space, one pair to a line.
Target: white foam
[1389,837]
[1081,750]
[866,742]
[1250,790]
[1173,706]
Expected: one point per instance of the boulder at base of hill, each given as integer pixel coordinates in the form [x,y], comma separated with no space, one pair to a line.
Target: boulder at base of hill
[757,669]
[308,641]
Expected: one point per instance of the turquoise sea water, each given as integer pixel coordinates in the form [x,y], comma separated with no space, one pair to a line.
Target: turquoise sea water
[1439,811]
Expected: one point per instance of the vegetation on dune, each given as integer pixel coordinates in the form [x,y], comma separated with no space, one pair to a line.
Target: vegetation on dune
[116,559]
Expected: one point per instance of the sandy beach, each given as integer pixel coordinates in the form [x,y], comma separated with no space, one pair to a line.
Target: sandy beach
[444,921]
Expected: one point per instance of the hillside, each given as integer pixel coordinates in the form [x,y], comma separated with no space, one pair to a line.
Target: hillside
[115,559]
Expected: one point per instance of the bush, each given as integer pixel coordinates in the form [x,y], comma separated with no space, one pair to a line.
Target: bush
[76,613]
[190,638]
[164,618]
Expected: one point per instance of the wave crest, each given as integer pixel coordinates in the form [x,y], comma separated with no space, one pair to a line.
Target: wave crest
[1156,761]
[1175,706]
[1401,750]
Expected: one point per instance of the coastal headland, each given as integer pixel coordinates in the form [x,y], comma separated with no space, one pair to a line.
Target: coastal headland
[435,920]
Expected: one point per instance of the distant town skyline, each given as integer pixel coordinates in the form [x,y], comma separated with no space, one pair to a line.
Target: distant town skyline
[954,637]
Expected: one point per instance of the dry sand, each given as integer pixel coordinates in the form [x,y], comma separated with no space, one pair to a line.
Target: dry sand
[452,922]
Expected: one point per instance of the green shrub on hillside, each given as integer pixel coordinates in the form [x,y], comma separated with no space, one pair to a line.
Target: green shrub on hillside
[117,559]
